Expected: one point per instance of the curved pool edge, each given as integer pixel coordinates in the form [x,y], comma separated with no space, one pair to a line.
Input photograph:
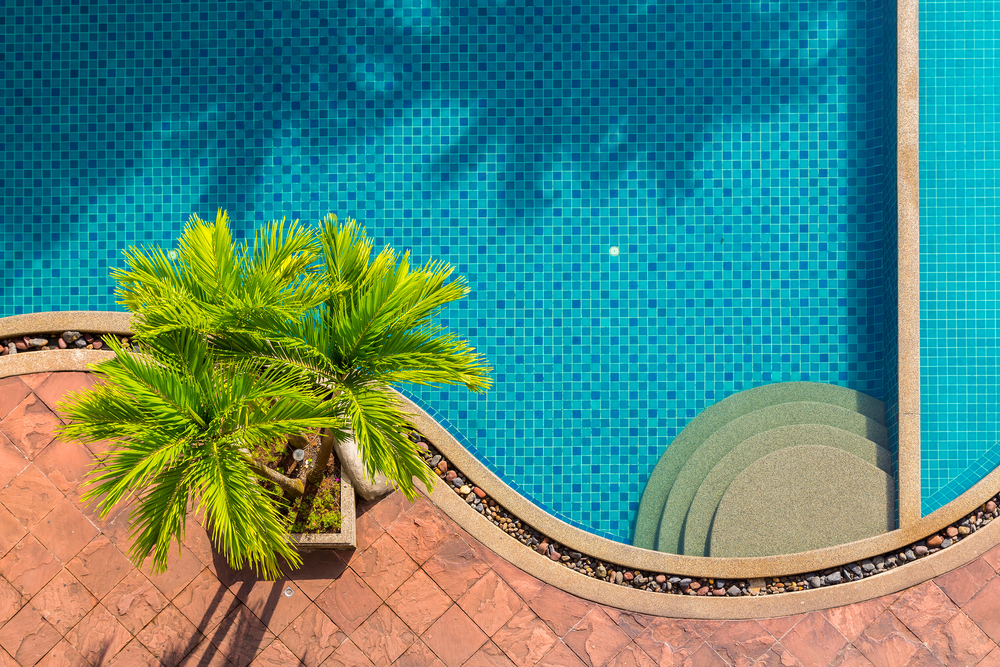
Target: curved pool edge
[659,604]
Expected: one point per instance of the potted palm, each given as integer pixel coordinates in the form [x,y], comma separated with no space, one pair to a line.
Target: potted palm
[238,348]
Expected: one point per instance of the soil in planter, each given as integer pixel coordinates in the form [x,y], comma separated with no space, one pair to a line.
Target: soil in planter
[318,509]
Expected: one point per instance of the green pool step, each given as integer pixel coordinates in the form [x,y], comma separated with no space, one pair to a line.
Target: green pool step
[698,523]
[827,496]
[654,497]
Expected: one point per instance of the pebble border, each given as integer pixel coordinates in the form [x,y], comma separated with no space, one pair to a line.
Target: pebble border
[677,584]
[67,340]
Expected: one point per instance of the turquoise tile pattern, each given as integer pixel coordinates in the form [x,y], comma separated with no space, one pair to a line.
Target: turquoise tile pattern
[959,247]
[733,151]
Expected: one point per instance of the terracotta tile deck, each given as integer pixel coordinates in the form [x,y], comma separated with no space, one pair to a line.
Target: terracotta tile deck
[419,592]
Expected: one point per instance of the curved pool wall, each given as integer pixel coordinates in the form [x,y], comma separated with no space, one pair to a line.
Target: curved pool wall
[960,276]
[738,154]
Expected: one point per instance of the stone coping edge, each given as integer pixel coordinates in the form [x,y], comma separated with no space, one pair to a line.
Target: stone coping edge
[721,568]
[54,361]
[93,321]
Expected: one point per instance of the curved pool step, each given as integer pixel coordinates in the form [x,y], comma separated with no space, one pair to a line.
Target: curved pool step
[722,441]
[827,496]
[710,419]
[698,522]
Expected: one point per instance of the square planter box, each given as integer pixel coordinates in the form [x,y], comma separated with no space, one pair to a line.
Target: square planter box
[347,537]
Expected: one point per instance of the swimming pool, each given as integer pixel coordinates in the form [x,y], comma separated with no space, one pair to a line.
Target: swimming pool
[735,153]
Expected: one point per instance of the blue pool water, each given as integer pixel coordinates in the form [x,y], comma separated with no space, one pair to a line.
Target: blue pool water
[959,247]
[734,152]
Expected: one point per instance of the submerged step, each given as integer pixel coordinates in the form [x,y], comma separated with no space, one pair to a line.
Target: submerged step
[825,497]
[712,418]
[720,443]
[698,522]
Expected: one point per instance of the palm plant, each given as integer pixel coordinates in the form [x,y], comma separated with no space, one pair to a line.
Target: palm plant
[319,328]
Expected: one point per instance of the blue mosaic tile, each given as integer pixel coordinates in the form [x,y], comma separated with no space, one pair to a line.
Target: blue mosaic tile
[959,247]
[734,152]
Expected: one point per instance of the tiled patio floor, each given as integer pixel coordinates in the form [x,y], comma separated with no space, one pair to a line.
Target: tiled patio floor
[418,591]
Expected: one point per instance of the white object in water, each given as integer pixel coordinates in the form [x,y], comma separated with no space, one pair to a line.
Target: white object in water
[613,251]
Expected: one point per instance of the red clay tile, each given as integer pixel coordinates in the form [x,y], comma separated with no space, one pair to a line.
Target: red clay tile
[134,655]
[56,387]
[272,604]
[65,464]
[348,601]
[11,531]
[813,640]
[275,655]
[454,637]
[631,623]
[776,656]
[30,496]
[559,609]
[524,584]
[455,566]
[366,531]
[489,655]
[991,660]
[669,640]
[34,379]
[29,566]
[959,641]
[205,601]
[923,657]
[10,601]
[384,566]
[63,655]
[63,601]
[196,539]
[560,656]
[319,569]
[205,654]
[348,655]
[419,602]
[27,636]
[704,656]
[99,636]
[483,551]
[525,638]
[12,392]
[632,656]
[312,636]
[386,510]
[923,608]
[850,657]
[992,558]
[748,639]
[597,638]
[779,626]
[100,566]
[887,642]
[962,584]
[420,531]
[180,572]
[30,426]
[383,637]
[12,461]
[169,636]
[241,637]
[64,530]
[851,620]
[135,601]
[418,655]
[490,602]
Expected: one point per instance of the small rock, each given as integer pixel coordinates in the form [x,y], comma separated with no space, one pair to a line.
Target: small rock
[458,482]
[619,577]
[602,572]
[934,541]
[70,336]
[910,555]
[684,583]
[435,460]
[694,585]
[661,579]
[920,551]
[38,342]
[450,476]
[443,466]
[575,555]
[554,556]
[543,548]
[61,343]
[81,343]
[465,490]
[21,345]
[834,578]
[11,348]
[879,562]
[991,507]
[964,530]
[89,338]
[479,492]
[734,591]
[951,531]
[814,582]
[719,591]
[946,544]
[856,570]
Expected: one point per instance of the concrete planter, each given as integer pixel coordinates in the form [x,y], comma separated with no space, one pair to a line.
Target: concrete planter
[347,537]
